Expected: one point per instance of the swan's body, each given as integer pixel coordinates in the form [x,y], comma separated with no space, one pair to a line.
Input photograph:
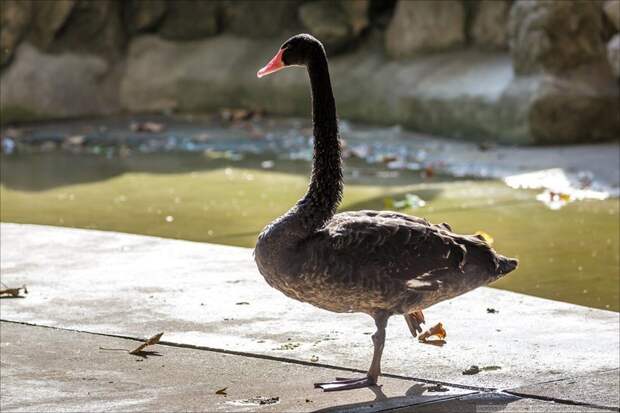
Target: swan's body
[375,262]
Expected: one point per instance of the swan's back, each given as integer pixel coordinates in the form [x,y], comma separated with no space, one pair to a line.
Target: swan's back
[361,261]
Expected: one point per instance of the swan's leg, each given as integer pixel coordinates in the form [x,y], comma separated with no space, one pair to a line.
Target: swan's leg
[414,321]
[378,340]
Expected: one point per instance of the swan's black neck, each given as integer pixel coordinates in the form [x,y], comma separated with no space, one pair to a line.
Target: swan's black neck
[325,189]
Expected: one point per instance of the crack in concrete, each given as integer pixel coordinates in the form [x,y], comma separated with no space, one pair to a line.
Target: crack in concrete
[562,401]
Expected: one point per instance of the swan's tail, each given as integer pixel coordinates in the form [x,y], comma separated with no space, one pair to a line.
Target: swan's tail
[506,265]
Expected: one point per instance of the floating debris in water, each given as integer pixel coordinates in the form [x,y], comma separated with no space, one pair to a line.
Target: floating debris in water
[267,164]
[554,200]
[229,155]
[75,140]
[559,187]
[8,145]
[236,115]
[149,127]
[410,201]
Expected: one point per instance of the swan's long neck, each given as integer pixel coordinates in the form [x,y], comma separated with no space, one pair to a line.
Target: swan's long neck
[325,189]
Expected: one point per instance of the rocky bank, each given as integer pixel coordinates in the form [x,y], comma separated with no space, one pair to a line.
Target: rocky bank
[524,71]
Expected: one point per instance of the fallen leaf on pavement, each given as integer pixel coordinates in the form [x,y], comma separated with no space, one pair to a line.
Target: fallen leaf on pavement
[12,292]
[437,388]
[222,392]
[148,342]
[150,127]
[436,331]
[471,371]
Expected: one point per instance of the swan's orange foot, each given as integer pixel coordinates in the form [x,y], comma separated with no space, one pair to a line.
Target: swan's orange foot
[346,384]
[414,321]
[435,331]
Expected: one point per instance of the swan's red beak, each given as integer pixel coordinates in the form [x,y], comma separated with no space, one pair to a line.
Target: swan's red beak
[274,65]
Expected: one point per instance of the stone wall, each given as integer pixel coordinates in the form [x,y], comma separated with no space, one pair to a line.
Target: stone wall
[514,71]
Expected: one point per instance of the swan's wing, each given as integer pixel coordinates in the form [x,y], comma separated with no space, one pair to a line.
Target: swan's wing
[399,247]
[345,216]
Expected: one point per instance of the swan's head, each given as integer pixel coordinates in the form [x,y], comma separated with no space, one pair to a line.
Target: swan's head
[296,51]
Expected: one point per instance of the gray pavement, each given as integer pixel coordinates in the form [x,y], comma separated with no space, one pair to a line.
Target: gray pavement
[243,335]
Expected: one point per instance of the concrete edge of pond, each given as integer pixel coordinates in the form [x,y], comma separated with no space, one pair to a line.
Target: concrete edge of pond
[210,297]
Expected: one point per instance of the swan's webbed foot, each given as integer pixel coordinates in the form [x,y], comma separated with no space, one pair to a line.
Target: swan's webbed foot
[346,384]
[414,320]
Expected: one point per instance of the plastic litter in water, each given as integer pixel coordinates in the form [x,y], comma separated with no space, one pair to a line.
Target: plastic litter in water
[559,187]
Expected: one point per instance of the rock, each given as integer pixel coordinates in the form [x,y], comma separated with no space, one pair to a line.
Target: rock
[357,12]
[613,54]
[327,20]
[490,23]
[554,35]
[264,18]
[91,26]
[14,20]
[49,18]
[58,85]
[612,11]
[144,15]
[581,106]
[190,20]
[462,94]
[425,25]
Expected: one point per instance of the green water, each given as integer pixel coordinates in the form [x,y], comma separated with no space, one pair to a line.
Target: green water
[570,255]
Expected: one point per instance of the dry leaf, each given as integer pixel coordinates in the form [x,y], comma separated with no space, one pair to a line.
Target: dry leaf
[12,292]
[471,371]
[149,342]
[222,392]
[437,388]
[150,127]
[484,237]
[436,331]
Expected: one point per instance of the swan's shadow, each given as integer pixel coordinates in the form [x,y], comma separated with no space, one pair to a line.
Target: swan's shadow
[414,400]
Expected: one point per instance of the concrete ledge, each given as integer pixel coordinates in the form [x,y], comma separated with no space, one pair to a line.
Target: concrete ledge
[212,296]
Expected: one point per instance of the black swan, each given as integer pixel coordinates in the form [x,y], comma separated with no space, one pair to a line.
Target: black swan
[376,262]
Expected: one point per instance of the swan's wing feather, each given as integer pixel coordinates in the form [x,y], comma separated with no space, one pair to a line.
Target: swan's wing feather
[398,246]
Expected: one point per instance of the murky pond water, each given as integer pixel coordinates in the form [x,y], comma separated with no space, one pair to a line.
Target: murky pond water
[219,195]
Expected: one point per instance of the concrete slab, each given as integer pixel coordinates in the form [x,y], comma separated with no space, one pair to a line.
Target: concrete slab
[496,402]
[602,389]
[213,296]
[47,369]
